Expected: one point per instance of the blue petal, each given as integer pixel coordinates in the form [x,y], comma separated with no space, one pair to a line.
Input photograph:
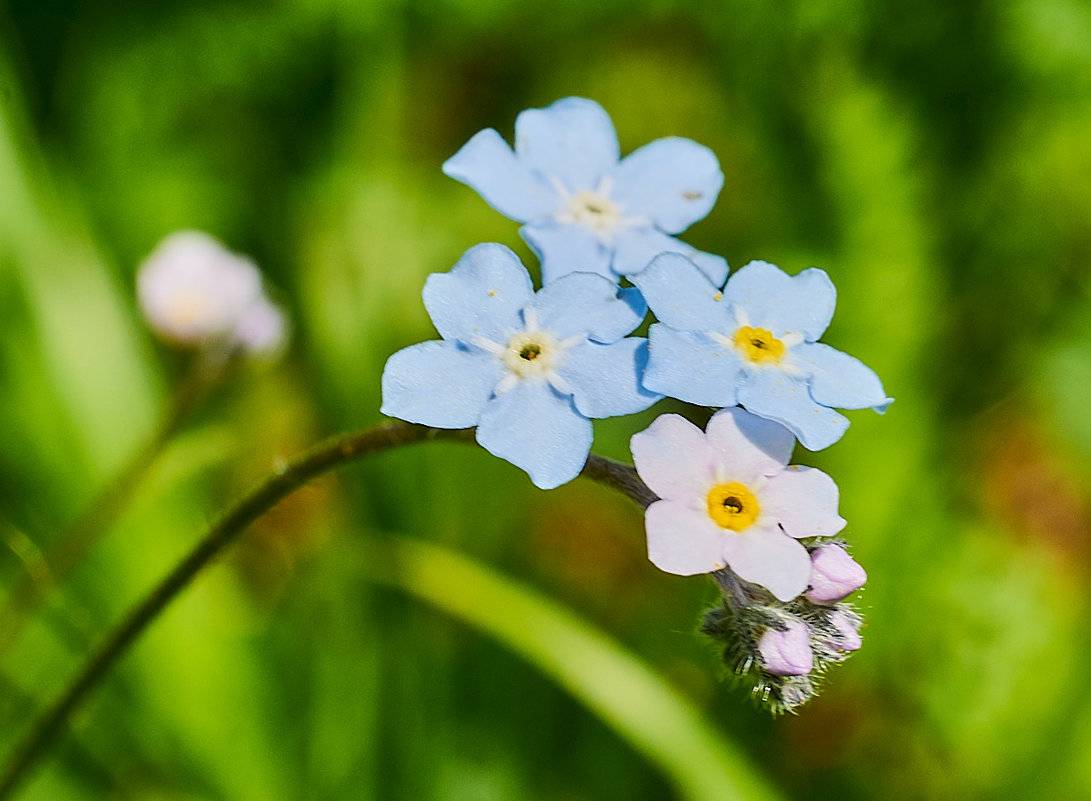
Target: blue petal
[565,248]
[487,164]
[605,379]
[632,296]
[482,295]
[572,140]
[781,303]
[681,296]
[635,248]
[587,303]
[673,181]
[691,367]
[439,384]
[840,380]
[770,393]
[537,430]
[715,267]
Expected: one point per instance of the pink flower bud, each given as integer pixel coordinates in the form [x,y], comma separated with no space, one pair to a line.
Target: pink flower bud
[850,637]
[834,574]
[787,653]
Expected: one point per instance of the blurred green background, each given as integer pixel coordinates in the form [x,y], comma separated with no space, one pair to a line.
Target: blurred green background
[933,157]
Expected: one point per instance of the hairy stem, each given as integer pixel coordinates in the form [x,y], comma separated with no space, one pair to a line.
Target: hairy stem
[325,456]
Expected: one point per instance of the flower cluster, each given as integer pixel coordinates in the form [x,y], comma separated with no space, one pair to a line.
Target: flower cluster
[530,370]
[197,294]
[731,505]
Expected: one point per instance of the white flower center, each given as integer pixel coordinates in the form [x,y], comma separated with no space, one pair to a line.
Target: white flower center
[531,354]
[594,210]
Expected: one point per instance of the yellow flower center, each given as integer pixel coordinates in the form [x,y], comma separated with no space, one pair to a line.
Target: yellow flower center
[732,506]
[759,345]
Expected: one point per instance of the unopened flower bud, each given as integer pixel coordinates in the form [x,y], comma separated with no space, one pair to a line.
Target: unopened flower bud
[787,653]
[834,574]
[847,630]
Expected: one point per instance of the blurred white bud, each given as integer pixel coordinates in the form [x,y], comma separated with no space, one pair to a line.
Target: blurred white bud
[261,329]
[194,292]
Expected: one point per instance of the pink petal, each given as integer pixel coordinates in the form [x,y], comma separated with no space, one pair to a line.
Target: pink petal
[804,501]
[673,458]
[749,446]
[768,557]
[682,540]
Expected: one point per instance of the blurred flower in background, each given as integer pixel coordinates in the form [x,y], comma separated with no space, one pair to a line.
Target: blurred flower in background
[196,293]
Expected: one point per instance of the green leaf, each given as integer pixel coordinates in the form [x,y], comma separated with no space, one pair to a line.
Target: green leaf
[615,685]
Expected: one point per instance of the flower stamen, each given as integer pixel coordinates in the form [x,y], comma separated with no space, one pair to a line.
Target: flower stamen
[531,354]
[732,506]
[758,345]
[594,210]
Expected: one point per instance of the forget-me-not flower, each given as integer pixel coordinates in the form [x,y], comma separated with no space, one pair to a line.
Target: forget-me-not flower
[528,369]
[584,207]
[753,344]
[730,499]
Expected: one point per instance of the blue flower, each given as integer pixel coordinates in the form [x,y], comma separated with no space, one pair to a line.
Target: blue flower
[528,369]
[754,344]
[585,208]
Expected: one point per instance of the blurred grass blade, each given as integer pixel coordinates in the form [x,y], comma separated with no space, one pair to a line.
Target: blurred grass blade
[94,358]
[614,684]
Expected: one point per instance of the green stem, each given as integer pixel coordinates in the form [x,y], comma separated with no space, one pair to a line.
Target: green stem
[325,456]
[50,569]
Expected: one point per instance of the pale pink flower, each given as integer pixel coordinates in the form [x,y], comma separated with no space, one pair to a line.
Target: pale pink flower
[730,499]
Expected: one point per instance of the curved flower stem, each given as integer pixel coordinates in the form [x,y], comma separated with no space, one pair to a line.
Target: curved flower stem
[49,570]
[325,456]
